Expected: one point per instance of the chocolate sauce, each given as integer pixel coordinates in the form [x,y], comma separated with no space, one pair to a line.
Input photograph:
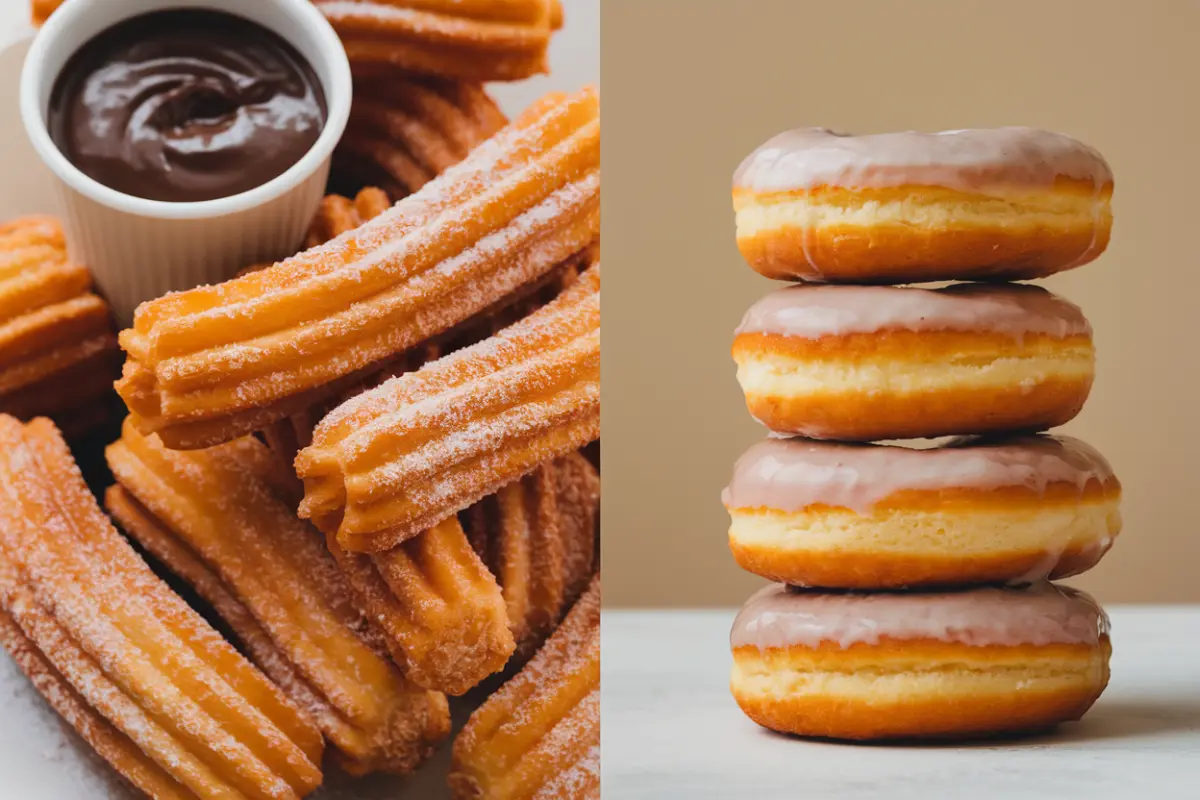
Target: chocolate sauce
[186,105]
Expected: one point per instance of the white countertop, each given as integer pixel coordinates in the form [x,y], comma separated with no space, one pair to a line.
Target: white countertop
[671,729]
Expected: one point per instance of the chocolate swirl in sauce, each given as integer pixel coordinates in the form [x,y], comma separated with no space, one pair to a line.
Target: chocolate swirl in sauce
[186,105]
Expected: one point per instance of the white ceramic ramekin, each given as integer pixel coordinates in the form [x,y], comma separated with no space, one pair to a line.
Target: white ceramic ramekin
[139,249]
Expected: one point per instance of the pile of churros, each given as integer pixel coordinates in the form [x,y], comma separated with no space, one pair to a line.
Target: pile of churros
[58,348]
[913,595]
[366,461]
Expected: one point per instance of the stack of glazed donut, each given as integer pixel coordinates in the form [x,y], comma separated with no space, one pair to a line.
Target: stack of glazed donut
[913,595]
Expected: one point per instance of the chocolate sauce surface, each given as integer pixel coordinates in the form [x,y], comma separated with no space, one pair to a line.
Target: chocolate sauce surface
[186,105]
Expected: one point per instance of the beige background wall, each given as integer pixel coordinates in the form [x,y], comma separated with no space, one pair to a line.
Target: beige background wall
[691,86]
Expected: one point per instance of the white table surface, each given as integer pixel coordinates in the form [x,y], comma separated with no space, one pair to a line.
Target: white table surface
[671,729]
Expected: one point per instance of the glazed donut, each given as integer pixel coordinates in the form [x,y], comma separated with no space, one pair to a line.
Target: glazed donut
[996,204]
[862,363]
[853,516]
[918,665]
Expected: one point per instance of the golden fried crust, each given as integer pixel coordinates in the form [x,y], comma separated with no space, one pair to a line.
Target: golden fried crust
[577,484]
[539,735]
[915,346]
[918,689]
[58,350]
[438,607]
[157,540]
[525,552]
[109,743]
[487,415]
[212,363]
[906,384]
[129,647]
[40,10]
[288,436]
[337,215]
[865,417]
[476,41]
[480,40]
[933,538]
[214,517]
[405,131]
[867,570]
[918,233]
[538,537]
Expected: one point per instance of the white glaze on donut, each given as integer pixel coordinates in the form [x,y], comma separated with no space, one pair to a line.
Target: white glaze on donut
[790,474]
[813,311]
[981,160]
[1038,615]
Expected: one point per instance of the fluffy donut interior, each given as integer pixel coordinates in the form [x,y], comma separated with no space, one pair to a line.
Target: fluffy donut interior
[967,529]
[922,207]
[900,673]
[767,371]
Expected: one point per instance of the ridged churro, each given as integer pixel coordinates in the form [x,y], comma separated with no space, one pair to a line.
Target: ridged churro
[109,742]
[212,517]
[212,363]
[58,350]
[477,40]
[539,735]
[475,420]
[405,131]
[538,537]
[157,692]
[439,609]
[338,215]
[292,434]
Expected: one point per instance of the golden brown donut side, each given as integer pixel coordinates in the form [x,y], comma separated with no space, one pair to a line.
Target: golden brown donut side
[954,382]
[921,233]
[918,688]
[933,538]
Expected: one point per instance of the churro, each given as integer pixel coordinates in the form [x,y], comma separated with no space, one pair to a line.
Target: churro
[212,363]
[440,611]
[109,742]
[538,537]
[212,517]
[290,435]
[338,215]
[474,40]
[140,675]
[405,131]
[58,349]
[475,420]
[539,735]
[40,10]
